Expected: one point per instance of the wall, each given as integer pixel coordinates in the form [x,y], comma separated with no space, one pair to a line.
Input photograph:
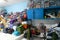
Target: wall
[16,7]
[1,8]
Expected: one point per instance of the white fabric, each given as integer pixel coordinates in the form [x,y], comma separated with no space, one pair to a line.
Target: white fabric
[50,25]
[14,27]
[24,39]
[57,28]
[4,36]
[24,22]
[51,16]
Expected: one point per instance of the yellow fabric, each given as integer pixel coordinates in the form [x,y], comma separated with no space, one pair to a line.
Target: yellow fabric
[3,21]
[1,29]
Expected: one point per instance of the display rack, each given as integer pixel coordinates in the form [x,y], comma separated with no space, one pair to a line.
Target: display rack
[40,13]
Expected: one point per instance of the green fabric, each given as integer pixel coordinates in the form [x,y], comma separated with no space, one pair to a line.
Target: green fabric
[28,34]
[20,29]
[54,36]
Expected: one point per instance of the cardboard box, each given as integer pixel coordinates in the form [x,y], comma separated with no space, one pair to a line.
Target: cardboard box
[46,4]
[38,5]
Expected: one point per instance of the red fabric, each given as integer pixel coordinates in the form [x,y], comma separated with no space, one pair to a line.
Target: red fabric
[25,16]
[33,31]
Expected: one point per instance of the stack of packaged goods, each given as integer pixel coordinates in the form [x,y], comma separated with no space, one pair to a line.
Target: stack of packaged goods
[58,15]
[43,3]
[46,4]
[34,4]
[14,23]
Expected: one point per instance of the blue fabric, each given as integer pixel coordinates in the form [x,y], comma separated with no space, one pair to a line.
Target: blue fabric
[16,33]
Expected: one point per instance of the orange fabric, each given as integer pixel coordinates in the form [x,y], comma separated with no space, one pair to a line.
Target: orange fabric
[25,26]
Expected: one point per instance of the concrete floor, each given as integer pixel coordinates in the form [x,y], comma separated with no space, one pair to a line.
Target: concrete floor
[36,38]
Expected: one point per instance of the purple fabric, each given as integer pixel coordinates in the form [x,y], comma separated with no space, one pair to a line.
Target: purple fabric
[10,25]
[12,21]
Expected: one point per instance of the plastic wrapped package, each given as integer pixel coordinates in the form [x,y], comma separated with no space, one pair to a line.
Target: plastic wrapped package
[37,1]
[14,27]
[25,26]
[46,4]
[31,4]
[20,29]
[3,20]
[10,16]
[10,25]
[24,23]
[38,5]
[8,30]
[52,3]
[25,15]
[1,26]
[19,19]
[12,21]
[16,33]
